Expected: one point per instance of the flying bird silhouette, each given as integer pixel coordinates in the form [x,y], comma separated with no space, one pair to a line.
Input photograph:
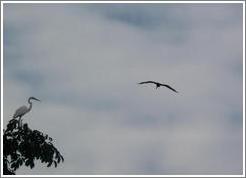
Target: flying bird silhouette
[21,111]
[158,85]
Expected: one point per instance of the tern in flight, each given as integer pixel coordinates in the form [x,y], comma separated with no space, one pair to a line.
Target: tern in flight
[158,85]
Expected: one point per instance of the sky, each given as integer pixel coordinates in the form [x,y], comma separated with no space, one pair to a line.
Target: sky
[84,62]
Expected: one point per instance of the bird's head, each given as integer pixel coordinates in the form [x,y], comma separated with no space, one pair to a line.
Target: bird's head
[33,98]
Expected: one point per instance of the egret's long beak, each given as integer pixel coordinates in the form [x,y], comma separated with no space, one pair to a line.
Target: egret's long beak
[36,99]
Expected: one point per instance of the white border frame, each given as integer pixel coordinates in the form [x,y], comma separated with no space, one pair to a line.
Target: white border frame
[127,2]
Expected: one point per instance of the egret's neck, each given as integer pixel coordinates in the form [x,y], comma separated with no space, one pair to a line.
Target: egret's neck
[30,105]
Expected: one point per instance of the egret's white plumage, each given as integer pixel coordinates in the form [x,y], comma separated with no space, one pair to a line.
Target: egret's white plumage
[23,110]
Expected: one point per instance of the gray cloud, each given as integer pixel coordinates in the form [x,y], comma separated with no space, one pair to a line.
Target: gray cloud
[84,63]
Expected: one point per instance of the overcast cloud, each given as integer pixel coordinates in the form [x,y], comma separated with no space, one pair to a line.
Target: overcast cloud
[84,62]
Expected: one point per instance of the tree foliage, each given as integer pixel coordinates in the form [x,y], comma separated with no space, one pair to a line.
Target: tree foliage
[22,146]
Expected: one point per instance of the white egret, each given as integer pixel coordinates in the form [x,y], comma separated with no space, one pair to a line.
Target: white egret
[24,109]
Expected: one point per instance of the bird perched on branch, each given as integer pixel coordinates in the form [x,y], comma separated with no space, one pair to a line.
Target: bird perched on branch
[158,85]
[23,110]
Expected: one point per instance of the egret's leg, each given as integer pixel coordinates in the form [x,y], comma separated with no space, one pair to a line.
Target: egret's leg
[20,122]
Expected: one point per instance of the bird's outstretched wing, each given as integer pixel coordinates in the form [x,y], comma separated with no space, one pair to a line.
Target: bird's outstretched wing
[169,87]
[147,82]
